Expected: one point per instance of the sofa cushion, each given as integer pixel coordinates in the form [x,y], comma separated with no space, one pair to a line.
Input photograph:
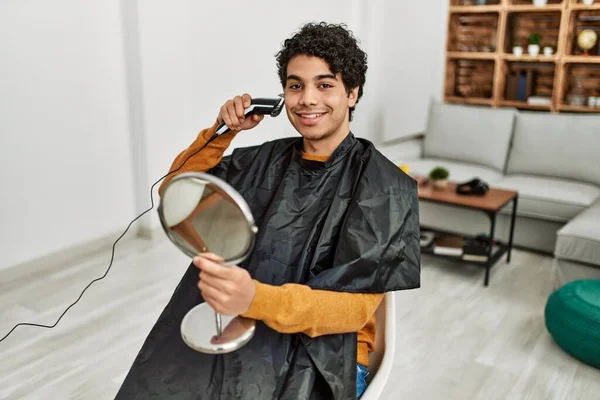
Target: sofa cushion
[402,152]
[556,145]
[471,134]
[548,198]
[459,172]
[579,240]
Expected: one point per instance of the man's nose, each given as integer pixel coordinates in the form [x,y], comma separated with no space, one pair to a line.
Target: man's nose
[309,97]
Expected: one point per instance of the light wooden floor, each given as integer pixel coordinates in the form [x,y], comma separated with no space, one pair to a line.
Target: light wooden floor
[456,339]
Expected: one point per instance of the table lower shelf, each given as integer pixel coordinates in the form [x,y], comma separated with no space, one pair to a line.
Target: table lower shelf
[498,252]
[499,249]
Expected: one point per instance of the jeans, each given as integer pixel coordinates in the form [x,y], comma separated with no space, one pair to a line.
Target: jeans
[361,379]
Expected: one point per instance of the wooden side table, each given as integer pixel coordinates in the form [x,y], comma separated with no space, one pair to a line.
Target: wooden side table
[490,204]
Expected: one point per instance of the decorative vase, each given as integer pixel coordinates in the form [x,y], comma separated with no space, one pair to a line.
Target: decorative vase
[439,183]
[540,3]
[586,40]
[548,51]
[518,50]
[533,50]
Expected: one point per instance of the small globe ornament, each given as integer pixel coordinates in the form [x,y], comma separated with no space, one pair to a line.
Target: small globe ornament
[587,40]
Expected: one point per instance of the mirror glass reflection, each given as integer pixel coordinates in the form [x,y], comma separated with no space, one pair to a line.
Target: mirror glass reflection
[200,217]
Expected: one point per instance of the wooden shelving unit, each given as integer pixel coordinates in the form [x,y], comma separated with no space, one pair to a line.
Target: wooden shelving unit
[482,69]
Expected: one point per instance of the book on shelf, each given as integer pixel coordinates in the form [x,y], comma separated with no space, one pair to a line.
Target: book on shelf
[473,257]
[467,248]
[449,245]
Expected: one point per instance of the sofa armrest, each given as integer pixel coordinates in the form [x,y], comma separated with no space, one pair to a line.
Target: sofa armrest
[405,149]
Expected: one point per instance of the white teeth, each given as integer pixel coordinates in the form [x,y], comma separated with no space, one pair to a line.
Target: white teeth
[311,115]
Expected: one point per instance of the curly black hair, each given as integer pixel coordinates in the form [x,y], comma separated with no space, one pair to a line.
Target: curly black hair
[336,45]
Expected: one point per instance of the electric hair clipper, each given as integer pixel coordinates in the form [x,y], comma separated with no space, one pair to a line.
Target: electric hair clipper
[264,106]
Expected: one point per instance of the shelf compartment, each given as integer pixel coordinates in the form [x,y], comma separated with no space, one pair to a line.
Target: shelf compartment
[582,82]
[521,25]
[470,79]
[581,20]
[528,85]
[579,5]
[473,32]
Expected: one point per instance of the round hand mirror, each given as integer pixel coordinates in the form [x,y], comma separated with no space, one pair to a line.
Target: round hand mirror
[201,213]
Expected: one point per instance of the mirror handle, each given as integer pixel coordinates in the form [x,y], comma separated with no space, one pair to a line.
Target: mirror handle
[219,324]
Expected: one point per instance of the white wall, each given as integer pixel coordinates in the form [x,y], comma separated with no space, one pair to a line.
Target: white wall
[412,63]
[64,144]
[98,92]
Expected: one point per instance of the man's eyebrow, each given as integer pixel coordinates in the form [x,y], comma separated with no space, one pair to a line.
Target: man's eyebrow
[318,77]
[325,76]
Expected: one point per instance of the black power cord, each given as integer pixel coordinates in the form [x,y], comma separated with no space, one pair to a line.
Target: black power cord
[113,247]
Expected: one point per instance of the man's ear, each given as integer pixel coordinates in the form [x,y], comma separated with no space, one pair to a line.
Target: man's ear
[353,97]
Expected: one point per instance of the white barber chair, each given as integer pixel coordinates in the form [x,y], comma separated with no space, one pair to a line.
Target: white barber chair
[382,358]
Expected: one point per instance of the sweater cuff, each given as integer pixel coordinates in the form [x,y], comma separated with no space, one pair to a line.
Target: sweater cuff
[264,299]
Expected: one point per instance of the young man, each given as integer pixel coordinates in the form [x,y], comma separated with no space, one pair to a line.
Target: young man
[338,227]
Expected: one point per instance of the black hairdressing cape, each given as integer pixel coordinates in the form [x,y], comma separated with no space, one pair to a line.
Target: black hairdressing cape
[350,224]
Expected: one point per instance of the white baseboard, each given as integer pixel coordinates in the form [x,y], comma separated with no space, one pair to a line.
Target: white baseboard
[73,254]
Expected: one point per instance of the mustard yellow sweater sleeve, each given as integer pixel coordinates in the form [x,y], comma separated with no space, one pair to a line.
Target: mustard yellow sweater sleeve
[204,159]
[295,308]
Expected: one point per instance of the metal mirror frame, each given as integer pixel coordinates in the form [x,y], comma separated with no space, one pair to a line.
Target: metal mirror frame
[225,189]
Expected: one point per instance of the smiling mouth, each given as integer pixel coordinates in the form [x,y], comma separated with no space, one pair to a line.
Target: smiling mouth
[310,116]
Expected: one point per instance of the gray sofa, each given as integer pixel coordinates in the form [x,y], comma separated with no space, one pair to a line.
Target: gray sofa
[552,160]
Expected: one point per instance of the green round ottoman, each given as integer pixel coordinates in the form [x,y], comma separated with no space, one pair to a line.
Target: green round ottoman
[573,319]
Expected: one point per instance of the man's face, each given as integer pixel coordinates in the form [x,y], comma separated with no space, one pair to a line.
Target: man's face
[316,100]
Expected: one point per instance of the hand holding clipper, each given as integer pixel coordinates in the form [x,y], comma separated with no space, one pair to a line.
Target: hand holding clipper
[244,112]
